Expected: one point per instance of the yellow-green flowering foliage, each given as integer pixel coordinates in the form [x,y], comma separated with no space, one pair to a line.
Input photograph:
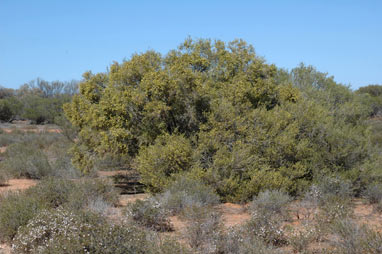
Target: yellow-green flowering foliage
[217,112]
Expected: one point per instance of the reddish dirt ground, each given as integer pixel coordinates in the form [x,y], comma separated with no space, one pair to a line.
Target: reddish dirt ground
[17,184]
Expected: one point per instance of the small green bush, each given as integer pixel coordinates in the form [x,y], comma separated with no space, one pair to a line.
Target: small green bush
[270,202]
[16,210]
[26,161]
[54,192]
[186,192]
[149,214]
[87,190]
[373,193]
[4,176]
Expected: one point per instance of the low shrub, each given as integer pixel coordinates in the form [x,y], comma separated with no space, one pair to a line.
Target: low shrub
[327,189]
[268,228]
[74,194]
[62,231]
[204,230]
[149,214]
[87,190]
[186,192]
[351,238]
[270,202]
[335,208]
[26,161]
[16,210]
[4,176]
[241,241]
[373,193]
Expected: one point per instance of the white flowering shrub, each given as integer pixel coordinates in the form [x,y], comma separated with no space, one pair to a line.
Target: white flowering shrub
[47,229]
[268,228]
[63,231]
[241,241]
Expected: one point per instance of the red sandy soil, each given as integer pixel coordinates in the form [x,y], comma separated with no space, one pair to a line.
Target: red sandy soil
[17,184]
[3,149]
[37,130]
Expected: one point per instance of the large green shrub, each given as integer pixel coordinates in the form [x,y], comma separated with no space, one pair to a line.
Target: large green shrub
[222,114]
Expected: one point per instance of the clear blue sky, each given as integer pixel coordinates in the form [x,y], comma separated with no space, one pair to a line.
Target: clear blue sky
[59,40]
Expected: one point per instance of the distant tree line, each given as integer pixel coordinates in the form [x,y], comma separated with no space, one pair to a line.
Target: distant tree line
[39,101]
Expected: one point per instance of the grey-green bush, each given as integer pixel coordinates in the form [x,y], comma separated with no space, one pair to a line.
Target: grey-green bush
[186,192]
[16,210]
[63,231]
[270,201]
[149,214]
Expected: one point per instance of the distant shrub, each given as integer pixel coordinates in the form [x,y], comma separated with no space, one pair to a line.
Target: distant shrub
[26,161]
[270,202]
[15,211]
[149,214]
[186,192]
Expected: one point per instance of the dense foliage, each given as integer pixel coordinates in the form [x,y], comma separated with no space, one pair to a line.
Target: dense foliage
[218,112]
